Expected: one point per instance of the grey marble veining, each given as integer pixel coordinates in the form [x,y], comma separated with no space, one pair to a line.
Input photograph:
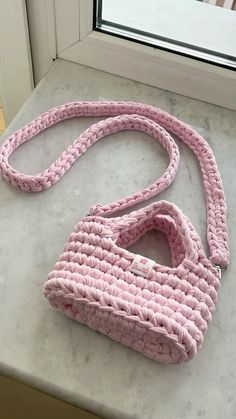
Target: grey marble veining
[42,347]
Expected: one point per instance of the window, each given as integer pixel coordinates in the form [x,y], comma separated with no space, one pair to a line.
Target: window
[188,27]
[185,46]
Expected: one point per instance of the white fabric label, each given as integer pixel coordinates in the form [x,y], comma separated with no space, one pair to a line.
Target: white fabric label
[142,266]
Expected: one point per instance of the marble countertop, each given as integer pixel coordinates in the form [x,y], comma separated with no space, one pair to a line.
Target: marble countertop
[43,348]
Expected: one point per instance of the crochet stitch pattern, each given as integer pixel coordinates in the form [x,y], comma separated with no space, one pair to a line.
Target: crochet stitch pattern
[165,315]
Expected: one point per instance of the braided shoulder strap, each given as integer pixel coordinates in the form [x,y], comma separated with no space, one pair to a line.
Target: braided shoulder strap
[127,116]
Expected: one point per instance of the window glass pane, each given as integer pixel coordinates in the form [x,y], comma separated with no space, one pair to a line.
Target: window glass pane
[204,30]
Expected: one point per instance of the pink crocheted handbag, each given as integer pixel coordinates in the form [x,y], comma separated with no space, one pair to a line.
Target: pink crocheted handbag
[158,310]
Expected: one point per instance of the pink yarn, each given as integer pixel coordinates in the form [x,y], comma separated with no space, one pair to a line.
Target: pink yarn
[165,315]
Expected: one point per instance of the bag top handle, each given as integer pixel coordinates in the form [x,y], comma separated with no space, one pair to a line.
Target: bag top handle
[127,116]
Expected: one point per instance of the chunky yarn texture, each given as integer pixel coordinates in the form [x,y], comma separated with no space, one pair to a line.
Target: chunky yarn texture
[164,315]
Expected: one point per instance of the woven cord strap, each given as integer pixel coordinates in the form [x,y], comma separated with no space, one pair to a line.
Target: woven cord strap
[127,116]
